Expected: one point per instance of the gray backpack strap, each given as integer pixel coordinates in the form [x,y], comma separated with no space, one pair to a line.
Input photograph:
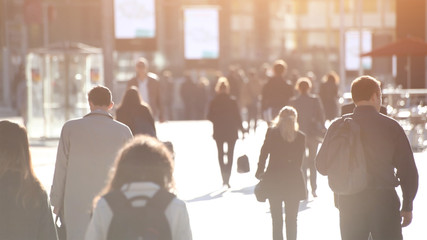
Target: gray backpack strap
[161,199]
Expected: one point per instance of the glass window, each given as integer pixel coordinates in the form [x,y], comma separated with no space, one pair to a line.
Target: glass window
[370,6]
[349,6]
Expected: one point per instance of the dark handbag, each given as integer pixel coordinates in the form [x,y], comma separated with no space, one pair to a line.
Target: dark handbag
[60,226]
[260,191]
[243,164]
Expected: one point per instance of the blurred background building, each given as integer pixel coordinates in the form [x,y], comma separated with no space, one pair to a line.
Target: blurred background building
[311,35]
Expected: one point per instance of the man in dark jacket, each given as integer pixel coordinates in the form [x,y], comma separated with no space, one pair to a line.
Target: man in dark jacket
[276,92]
[148,86]
[375,210]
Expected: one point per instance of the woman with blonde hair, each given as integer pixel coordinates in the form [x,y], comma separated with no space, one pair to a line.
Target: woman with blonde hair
[226,120]
[284,144]
[25,211]
[142,177]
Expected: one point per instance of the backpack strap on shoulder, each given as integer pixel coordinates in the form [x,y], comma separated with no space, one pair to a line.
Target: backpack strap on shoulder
[117,200]
[161,199]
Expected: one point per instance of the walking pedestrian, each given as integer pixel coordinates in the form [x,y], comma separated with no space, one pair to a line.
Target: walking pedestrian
[149,88]
[136,114]
[24,208]
[276,92]
[328,93]
[143,170]
[311,121]
[284,144]
[86,151]
[225,116]
[390,163]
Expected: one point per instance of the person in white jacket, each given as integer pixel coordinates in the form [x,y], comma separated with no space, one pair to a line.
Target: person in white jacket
[143,167]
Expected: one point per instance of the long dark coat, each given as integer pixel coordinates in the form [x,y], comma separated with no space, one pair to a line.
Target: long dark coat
[283,177]
[225,117]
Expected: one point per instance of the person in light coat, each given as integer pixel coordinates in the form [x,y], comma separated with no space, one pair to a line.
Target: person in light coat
[86,151]
[143,168]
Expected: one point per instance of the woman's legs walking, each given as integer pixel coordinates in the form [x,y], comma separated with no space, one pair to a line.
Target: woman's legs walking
[277,218]
[291,214]
[229,165]
[220,147]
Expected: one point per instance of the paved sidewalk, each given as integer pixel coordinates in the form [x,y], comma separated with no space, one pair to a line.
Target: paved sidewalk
[216,213]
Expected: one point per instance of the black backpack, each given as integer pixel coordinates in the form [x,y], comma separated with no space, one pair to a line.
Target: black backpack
[345,160]
[147,222]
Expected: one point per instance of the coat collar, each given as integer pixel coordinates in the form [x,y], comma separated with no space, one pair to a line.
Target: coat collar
[99,112]
[365,109]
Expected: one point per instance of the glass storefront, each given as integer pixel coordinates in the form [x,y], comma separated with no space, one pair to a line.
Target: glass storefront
[58,80]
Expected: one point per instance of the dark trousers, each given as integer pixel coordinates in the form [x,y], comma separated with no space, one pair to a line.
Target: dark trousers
[371,211]
[291,213]
[225,167]
[311,145]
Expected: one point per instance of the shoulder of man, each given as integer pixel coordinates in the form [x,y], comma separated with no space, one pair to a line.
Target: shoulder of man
[337,121]
[72,122]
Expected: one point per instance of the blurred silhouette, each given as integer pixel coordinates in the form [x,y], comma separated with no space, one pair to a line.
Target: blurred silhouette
[136,114]
[311,121]
[148,86]
[86,151]
[167,93]
[283,179]
[225,117]
[201,98]
[143,172]
[251,94]
[235,80]
[328,93]
[25,211]
[276,92]
[188,89]
[19,93]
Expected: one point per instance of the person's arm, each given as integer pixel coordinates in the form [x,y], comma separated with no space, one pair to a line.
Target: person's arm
[151,120]
[301,151]
[265,151]
[211,111]
[321,159]
[58,184]
[100,222]
[180,222]
[408,175]
[320,111]
[158,100]
[238,117]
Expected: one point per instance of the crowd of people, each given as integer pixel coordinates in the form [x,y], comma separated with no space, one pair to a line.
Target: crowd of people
[111,172]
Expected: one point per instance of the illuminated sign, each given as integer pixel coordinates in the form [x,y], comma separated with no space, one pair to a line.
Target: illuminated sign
[135,24]
[201,33]
[352,50]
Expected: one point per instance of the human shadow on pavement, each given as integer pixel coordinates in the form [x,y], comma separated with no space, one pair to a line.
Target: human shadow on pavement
[220,193]
[209,196]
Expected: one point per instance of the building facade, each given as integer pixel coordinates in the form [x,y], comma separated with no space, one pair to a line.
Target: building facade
[306,33]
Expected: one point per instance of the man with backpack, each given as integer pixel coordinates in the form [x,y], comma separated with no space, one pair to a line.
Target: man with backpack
[374,207]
